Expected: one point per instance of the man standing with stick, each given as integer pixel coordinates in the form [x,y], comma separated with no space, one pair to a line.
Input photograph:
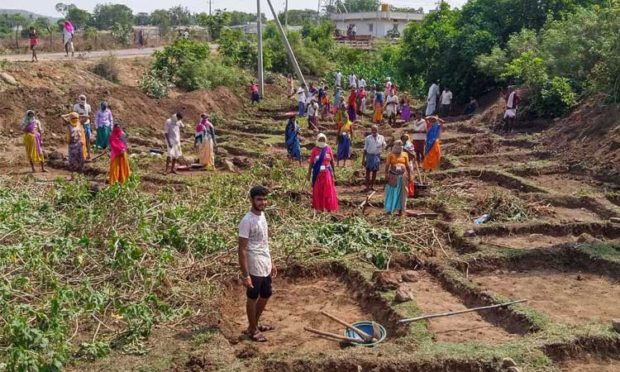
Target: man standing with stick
[255,261]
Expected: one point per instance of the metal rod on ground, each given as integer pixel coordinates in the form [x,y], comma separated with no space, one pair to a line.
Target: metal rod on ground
[450,313]
[365,336]
[333,335]
[259,33]
[289,50]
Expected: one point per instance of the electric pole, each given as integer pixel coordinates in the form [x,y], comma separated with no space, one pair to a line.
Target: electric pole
[210,7]
[259,33]
[286,15]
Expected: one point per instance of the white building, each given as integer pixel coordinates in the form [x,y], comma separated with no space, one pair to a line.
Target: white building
[375,24]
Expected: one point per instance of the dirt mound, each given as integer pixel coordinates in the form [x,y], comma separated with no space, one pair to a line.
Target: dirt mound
[589,139]
[52,88]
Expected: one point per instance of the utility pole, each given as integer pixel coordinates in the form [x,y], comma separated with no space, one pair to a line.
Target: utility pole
[259,33]
[318,13]
[289,50]
[286,15]
[210,6]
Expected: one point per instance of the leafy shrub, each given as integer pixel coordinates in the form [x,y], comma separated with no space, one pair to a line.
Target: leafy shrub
[107,68]
[555,98]
[153,84]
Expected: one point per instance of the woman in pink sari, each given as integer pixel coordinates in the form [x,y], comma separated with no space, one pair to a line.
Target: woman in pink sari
[321,171]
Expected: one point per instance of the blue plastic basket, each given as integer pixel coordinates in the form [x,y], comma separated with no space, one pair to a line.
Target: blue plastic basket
[365,326]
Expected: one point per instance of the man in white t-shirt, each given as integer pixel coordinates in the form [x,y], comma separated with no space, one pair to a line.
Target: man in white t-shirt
[338,79]
[362,83]
[313,112]
[419,136]
[374,144]
[301,100]
[446,102]
[352,81]
[257,268]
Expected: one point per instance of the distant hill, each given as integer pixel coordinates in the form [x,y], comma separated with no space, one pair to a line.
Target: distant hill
[27,14]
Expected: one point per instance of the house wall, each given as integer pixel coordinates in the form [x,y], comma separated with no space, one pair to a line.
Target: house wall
[374,28]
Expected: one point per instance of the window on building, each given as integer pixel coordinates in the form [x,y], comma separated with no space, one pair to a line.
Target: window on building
[371,27]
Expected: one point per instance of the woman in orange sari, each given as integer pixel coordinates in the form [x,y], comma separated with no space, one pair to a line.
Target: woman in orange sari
[119,161]
[377,117]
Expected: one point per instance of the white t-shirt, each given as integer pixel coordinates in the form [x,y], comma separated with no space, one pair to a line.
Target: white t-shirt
[338,79]
[419,126]
[374,145]
[362,83]
[83,111]
[172,129]
[301,95]
[313,108]
[352,81]
[446,97]
[255,229]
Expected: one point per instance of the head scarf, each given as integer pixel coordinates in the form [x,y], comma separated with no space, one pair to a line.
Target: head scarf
[27,120]
[104,106]
[74,119]
[320,137]
[397,148]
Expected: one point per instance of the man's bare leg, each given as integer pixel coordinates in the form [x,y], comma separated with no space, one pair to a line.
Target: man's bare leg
[367,180]
[167,164]
[372,182]
[172,167]
[260,307]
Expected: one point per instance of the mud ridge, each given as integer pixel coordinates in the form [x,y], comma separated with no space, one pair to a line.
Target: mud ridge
[606,229]
[583,347]
[505,318]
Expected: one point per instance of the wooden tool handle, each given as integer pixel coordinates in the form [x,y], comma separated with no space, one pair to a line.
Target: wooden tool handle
[365,336]
[333,335]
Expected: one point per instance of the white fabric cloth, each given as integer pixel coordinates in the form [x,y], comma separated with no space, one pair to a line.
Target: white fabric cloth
[511,110]
[391,107]
[173,144]
[374,145]
[431,100]
[254,228]
[313,108]
[419,126]
[67,36]
[338,78]
[352,81]
[83,111]
[301,95]
[446,97]
[362,83]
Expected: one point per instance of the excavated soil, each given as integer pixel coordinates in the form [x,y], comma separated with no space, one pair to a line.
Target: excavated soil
[431,298]
[528,241]
[592,365]
[567,297]
[296,303]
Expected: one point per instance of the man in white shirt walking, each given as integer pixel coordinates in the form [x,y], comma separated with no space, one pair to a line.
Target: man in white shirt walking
[446,102]
[301,100]
[172,133]
[352,81]
[338,79]
[374,144]
[431,99]
[257,268]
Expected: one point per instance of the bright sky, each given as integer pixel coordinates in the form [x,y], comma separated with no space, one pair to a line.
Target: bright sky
[47,7]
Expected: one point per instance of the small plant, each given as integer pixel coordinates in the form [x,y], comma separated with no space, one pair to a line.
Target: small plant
[107,68]
[153,84]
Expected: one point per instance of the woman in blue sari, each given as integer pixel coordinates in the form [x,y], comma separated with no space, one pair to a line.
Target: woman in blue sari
[291,138]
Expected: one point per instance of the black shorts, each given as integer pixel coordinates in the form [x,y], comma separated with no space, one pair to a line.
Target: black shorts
[262,287]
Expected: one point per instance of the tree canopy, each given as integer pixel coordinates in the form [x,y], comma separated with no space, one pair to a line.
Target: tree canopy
[106,16]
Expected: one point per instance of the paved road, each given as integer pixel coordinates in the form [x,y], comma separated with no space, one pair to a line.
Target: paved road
[120,53]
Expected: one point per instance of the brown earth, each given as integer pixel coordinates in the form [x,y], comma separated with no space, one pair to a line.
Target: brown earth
[431,298]
[567,297]
[591,365]
[296,304]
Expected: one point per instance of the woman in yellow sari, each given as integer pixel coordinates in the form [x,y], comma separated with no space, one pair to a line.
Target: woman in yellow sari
[204,140]
[377,117]
[32,140]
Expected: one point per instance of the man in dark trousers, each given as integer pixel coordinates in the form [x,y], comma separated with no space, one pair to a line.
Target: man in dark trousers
[257,268]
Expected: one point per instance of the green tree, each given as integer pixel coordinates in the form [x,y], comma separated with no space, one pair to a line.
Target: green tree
[79,17]
[161,18]
[356,5]
[241,18]
[298,17]
[214,23]
[106,16]
[180,16]
[141,19]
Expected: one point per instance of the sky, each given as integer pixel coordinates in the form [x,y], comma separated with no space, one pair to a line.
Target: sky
[47,7]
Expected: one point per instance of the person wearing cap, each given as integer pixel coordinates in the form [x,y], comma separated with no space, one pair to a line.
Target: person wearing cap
[291,139]
[77,142]
[322,173]
[84,110]
[104,122]
[31,127]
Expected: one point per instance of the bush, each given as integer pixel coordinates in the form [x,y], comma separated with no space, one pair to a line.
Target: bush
[153,85]
[107,68]
[555,98]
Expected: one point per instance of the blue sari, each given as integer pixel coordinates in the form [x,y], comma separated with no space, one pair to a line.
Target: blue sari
[316,168]
[292,140]
[431,137]
[344,147]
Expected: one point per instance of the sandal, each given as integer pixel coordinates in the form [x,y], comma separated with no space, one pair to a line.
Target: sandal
[258,337]
[265,327]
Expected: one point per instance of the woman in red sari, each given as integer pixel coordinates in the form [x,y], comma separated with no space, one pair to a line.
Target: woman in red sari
[321,172]
[353,105]
[119,161]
